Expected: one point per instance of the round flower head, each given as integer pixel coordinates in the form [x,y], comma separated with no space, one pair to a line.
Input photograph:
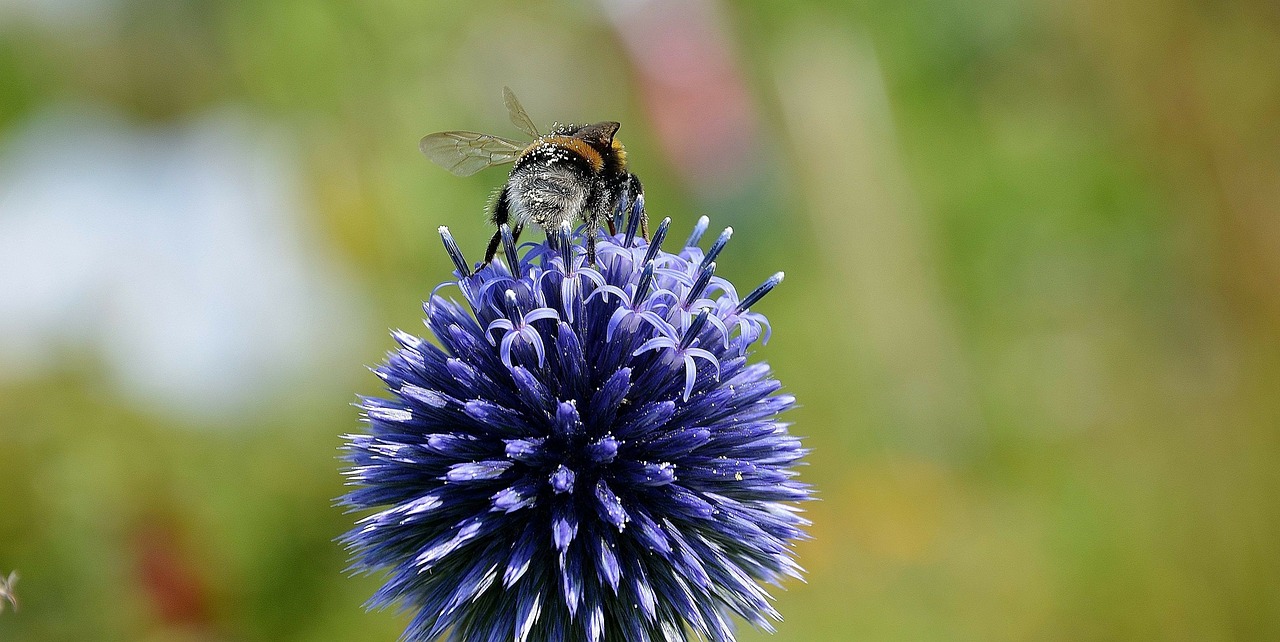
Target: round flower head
[587,454]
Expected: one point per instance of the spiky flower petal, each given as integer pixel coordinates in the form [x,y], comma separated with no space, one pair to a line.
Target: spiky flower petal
[587,454]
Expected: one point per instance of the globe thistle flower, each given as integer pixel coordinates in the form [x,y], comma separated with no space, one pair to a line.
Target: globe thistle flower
[586,455]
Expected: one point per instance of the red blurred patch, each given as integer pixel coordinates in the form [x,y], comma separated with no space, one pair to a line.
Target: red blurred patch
[692,89]
[170,578]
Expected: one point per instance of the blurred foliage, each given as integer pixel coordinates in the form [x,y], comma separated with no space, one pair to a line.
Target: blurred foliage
[1032,311]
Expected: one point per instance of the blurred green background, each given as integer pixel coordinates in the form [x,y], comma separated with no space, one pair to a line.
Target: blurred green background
[1032,307]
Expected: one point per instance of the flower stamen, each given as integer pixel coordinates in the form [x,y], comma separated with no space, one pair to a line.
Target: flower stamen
[509,249]
[699,229]
[454,252]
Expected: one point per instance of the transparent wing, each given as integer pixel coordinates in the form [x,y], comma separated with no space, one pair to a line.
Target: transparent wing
[518,117]
[465,153]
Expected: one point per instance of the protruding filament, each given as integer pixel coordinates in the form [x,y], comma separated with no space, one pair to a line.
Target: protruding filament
[699,229]
[455,254]
[700,284]
[658,237]
[718,245]
[509,246]
[633,222]
[565,247]
[758,293]
[642,286]
[621,207]
[694,328]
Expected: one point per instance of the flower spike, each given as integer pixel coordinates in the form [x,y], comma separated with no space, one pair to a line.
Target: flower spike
[582,453]
[454,252]
[758,293]
[620,209]
[718,246]
[700,284]
[699,229]
[509,247]
[565,248]
[642,286]
[691,334]
[633,221]
[659,236]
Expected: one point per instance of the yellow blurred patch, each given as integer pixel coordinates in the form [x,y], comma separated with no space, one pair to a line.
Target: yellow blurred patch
[895,508]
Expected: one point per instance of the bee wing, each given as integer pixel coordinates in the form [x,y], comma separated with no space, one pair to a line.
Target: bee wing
[518,116]
[465,153]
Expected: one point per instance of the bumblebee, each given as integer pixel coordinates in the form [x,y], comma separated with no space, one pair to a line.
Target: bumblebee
[574,172]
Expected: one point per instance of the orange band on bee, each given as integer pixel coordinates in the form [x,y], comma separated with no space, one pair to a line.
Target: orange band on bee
[576,145]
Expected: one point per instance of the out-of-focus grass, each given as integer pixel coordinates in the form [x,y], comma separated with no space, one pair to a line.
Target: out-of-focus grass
[1031,312]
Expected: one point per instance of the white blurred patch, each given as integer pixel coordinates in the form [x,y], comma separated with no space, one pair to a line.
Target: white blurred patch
[177,256]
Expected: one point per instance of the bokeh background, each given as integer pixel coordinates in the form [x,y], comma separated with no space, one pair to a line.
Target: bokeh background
[1032,307]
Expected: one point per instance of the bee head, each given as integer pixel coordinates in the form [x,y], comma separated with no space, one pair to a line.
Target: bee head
[598,134]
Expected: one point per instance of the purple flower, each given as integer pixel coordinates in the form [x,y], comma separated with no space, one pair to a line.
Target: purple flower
[586,455]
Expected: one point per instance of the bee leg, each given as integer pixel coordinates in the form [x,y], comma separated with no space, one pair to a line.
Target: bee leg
[515,234]
[493,248]
[500,215]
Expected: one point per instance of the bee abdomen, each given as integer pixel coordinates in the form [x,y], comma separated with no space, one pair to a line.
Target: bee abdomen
[547,195]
